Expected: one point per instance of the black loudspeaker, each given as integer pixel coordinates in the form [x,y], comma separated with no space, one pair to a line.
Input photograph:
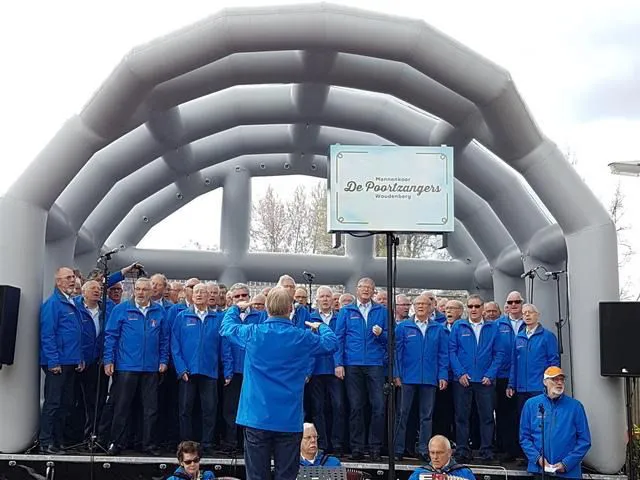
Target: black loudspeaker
[9,306]
[619,334]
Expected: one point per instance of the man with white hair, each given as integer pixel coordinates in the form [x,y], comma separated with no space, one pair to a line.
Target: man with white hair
[403,305]
[310,456]
[437,315]
[442,462]
[196,349]
[535,349]
[566,431]
[324,383]
[346,299]
[422,368]
[61,356]
[136,350]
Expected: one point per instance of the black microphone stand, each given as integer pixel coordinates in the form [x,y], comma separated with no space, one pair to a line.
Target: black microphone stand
[92,442]
[309,280]
[541,410]
[389,391]
[531,276]
[560,322]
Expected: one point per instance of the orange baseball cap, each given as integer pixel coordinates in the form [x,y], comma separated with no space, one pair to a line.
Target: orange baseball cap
[553,372]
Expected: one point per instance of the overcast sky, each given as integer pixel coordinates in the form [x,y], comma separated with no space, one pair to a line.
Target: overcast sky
[576,64]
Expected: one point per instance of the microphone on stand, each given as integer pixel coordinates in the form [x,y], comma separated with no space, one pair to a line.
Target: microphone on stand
[530,272]
[559,272]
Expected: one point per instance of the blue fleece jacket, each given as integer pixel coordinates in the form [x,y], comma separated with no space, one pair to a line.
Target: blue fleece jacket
[468,356]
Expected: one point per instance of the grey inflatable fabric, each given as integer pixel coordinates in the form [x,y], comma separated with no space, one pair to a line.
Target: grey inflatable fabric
[265,91]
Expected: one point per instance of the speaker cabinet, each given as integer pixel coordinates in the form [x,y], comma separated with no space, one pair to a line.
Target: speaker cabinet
[9,306]
[619,336]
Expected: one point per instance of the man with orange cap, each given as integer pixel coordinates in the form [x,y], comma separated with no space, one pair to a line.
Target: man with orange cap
[565,440]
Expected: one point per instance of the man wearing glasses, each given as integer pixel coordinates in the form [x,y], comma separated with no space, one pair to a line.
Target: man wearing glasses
[475,356]
[403,305]
[566,431]
[362,343]
[242,311]
[509,325]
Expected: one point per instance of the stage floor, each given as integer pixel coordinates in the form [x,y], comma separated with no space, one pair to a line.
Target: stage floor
[22,466]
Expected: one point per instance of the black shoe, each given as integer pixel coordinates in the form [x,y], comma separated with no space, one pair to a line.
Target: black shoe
[398,457]
[113,450]
[51,450]
[375,457]
[489,461]
[424,458]
[356,456]
[463,459]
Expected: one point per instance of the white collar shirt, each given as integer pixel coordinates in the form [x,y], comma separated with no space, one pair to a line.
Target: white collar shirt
[477,328]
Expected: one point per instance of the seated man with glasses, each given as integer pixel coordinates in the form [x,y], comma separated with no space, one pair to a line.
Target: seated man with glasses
[310,456]
[189,459]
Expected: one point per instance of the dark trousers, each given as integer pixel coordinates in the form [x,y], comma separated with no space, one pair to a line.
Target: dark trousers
[126,385]
[321,387]
[365,384]
[261,445]
[507,420]
[462,397]
[426,400]
[231,398]
[58,398]
[168,407]
[207,389]
[89,379]
[443,417]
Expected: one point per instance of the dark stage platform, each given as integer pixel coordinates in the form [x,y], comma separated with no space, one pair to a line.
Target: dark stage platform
[72,467]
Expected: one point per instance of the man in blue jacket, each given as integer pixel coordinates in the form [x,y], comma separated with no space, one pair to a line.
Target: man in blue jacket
[276,364]
[196,347]
[507,419]
[90,307]
[159,285]
[422,367]
[535,349]
[361,330]
[242,311]
[441,462]
[324,383]
[136,349]
[475,355]
[566,431]
[310,455]
[61,356]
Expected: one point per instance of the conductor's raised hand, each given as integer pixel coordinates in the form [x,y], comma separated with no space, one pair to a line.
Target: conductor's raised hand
[313,325]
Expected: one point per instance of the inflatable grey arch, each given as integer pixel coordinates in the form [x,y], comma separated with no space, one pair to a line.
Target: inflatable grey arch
[472,98]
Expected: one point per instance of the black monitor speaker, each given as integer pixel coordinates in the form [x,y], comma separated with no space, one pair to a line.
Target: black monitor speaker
[619,334]
[9,306]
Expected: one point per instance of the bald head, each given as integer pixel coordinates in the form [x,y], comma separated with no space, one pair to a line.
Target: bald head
[439,451]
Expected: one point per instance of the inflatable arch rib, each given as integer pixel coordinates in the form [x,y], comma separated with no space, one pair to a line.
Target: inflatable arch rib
[183,115]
